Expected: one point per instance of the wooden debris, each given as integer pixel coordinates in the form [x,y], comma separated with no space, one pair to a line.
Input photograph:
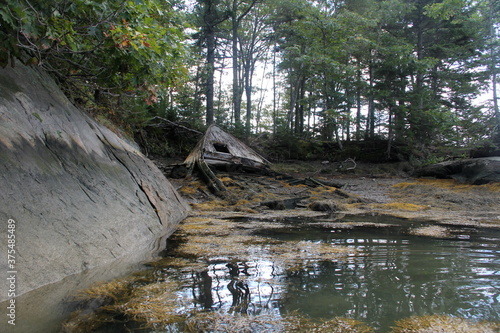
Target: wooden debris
[283,204]
[220,149]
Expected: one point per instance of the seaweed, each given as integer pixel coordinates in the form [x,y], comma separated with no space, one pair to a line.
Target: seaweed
[443,323]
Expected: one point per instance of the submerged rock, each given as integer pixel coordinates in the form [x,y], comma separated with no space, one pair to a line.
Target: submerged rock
[434,231]
[78,194]
[324,206]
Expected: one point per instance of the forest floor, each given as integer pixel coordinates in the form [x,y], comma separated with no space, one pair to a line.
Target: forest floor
[313,189]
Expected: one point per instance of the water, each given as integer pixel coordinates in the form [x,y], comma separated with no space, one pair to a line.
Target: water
[389,275]
[396,276]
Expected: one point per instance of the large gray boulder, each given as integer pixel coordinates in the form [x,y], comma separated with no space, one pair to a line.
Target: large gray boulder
[81,196]
[474,171]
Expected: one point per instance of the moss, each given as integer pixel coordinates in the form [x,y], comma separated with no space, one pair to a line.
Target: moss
[37,116]
[443,323]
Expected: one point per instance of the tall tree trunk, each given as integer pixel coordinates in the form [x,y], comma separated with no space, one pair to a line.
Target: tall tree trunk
[261,98]
[236,70]
[294,94]
[299,107]
[237,86]
[210,39]
[275,91]
[358,102]
[198,91]
[391,131]
[493,69]
[248,73]
[370,120]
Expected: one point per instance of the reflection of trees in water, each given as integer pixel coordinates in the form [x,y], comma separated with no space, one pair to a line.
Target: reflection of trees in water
[238,288]
[392,281]
[202,284]
[234,288]
[241,296]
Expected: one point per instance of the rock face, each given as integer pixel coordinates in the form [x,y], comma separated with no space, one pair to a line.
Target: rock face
[81,197]
[475,171]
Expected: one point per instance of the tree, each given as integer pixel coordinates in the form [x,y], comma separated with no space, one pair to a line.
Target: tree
[100,48]
[210,18]
[253,48]
[238,10]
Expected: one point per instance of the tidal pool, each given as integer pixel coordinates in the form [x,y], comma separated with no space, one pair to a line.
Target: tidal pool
[381,275]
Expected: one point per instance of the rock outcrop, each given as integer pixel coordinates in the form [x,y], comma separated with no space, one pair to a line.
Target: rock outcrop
[81,196]
[476,171]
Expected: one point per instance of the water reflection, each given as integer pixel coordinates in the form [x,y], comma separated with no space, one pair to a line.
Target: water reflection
[393,276]
[401,276]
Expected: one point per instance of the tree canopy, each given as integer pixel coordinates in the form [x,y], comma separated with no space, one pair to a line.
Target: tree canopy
[403,71]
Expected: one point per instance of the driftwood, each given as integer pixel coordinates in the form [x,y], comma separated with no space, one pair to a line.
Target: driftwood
[282,204]
[174,124]
[325,183]
[218,149]
[214,183]
[221,149]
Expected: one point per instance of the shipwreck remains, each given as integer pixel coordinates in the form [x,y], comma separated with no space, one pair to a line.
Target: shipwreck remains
[219,149]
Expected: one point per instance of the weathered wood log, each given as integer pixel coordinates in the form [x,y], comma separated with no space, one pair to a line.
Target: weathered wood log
[174,124]
[283,204]
[213,183]
[325,183]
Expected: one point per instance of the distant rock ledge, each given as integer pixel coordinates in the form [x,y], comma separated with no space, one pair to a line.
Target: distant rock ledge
[476,171]
[81,197]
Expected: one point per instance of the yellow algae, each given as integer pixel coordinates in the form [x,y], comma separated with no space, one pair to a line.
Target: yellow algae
[342,325]
[226,179]
[404,185]
[304,250]
[107,291]
[242,202]
[188,190]
[443,323]
[210,205]
[209,227]
[154,303]
[449,184]
[237,323]
[403,206]
[215,246]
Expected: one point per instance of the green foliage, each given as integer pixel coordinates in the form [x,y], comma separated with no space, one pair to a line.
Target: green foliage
[125,50]
[415,66]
